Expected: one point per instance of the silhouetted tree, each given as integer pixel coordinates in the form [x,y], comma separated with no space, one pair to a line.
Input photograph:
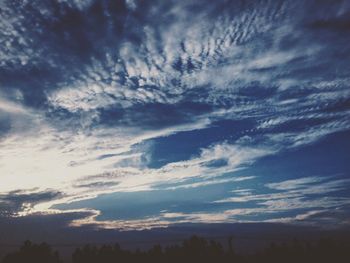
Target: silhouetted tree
[194,249]
[29,252]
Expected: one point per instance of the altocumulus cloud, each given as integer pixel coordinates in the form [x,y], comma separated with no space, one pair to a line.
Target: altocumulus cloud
[89,89]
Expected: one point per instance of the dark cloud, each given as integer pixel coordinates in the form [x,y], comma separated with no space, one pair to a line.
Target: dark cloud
[339,24]
[5,123]
[19,201]
[97,185]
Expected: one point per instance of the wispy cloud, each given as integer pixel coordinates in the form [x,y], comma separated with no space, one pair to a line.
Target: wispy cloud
[81,103]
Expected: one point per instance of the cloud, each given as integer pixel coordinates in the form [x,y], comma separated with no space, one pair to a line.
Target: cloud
[20,202]
[310,194]
[87,87]
[208,182]
[295,183]
[295,189]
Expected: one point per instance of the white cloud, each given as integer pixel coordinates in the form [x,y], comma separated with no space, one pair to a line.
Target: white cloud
[303,193]
[296,183]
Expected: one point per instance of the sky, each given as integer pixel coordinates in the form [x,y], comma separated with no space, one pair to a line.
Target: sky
[135,115]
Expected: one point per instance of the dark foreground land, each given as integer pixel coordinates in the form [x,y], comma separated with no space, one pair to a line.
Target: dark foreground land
[194,249]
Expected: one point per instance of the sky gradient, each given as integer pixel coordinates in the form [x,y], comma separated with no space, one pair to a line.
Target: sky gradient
[134,114]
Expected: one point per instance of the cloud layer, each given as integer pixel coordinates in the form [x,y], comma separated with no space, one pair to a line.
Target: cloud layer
[103,97]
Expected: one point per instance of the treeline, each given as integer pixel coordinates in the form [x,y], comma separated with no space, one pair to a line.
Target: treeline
[194,249]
